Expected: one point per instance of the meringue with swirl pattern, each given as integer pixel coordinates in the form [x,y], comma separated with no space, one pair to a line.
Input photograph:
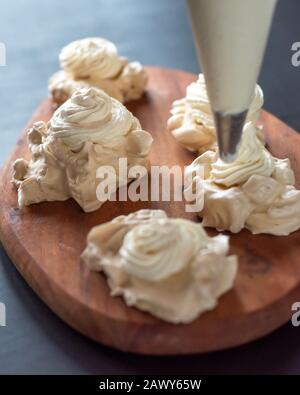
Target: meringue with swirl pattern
[252,158]
[91,115]
[168,267]
[89,132]
[153,252]
[191,121]
[255,192]
[91,56]
[94,62]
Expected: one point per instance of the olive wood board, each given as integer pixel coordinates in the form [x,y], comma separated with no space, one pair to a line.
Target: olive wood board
[45,241]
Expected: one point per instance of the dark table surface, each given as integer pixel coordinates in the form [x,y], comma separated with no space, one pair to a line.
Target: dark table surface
[155,32]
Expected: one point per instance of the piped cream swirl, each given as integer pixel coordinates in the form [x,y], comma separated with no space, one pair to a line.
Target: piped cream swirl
[94,62]
[89,132]
[253,158]
[153,251]
[168,267]
[192,123]
[92,115]
[256,191]
[95,57]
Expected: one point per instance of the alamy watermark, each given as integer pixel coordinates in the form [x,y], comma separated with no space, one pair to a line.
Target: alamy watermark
[296,314]
[2,54]
[296,54]
[2,314]
[159,183]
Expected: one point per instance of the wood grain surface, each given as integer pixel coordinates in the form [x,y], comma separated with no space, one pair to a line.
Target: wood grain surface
[45,242]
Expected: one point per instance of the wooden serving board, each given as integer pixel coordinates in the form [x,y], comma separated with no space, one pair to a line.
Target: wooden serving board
[45,242]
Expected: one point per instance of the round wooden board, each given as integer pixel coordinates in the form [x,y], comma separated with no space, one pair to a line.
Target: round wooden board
[45,242]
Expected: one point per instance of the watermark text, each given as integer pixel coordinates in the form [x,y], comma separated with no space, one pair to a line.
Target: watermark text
[296,54]
[2,54]
[2,314]
[159,183]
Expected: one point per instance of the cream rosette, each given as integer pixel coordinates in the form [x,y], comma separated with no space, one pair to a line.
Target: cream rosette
[156,250]
[91,57]
[91,115]
[168,267]
[256,191]
[89,131]
[253,158]
[191,121]
[95,62]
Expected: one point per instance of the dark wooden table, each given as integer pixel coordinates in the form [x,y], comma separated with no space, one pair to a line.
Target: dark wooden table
[157,33]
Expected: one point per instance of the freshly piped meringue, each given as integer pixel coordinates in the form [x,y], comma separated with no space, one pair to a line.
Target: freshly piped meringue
[256,191]
[191,121]
[168,267]
[91,115]
[253,158]
[89,131]
[95,62]
[91,56]
[152,252]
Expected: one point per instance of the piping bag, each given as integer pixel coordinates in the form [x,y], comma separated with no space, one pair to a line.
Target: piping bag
[230,38]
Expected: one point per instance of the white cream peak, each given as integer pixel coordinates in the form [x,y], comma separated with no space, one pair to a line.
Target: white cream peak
[168,267]
[256,191]
[88,131]
[94,62]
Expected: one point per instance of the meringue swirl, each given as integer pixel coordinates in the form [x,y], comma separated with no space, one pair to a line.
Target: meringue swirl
[253,158]
[192,122]
[91,131]
[282,217]
[168,267]
[153,251]
[90,115]
[91,57]
[255,192]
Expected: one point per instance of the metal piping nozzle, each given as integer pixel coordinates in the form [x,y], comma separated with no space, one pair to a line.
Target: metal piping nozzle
[229,132]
